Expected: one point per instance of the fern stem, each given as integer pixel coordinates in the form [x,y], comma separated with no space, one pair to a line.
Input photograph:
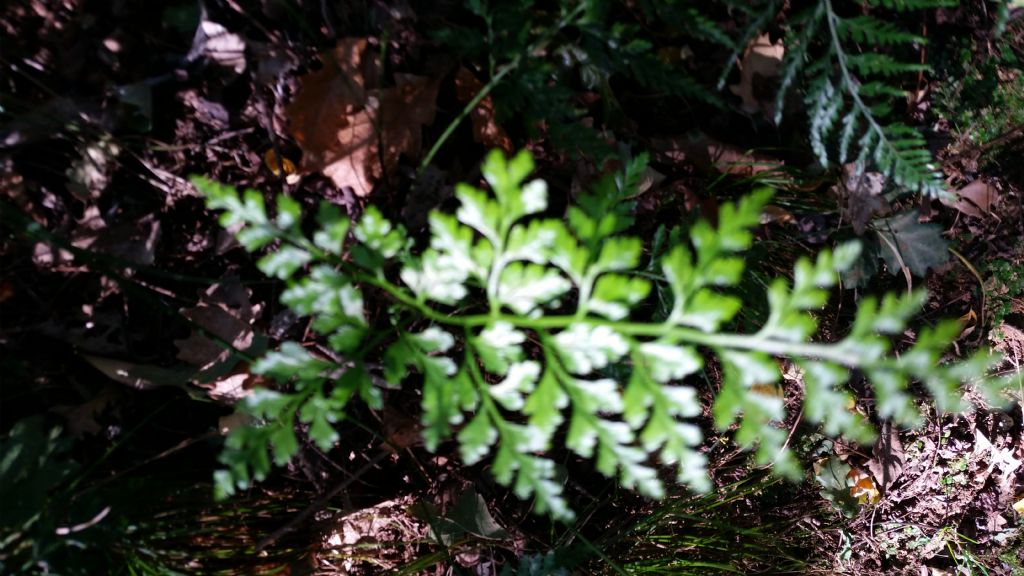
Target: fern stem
[751,342]
[774,347]
[848,81]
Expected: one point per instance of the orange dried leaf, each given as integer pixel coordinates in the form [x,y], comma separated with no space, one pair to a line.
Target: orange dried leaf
[772,213]
[862,487]
[324,116]
[771,390]
[969,318]
[276,166]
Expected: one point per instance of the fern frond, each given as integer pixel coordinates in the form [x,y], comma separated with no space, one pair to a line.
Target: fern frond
[848,94]
[803,28]
[881,64]
[497,276]
[876,32]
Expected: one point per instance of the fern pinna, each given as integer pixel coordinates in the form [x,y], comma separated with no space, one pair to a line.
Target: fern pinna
[498,274]
[850,83]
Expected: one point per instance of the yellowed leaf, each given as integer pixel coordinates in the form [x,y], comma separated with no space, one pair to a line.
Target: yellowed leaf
[1018,506]
[968,318]
[278,165]
[771,390]
[862,487]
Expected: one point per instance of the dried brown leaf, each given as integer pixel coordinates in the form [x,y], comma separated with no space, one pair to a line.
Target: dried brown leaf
[758,68]
[889,457]
[141,376]
[860,196]
[81,419]
[976,199]
[235,386]
[486,130]
[407,107]
[224,312]
[349,128]
[321,117]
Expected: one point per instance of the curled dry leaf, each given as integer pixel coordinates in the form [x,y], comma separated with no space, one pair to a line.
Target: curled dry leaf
[486,130]
[215,43]
[776,214]
[225,312]
[860,196]
[349,128]
[862,487]
[976,199]
[235,386]
[759,66]
[886,465]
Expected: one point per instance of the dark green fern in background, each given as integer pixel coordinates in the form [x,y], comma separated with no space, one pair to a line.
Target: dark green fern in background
[848,64]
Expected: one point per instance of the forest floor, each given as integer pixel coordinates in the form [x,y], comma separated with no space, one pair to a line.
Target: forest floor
[114,275]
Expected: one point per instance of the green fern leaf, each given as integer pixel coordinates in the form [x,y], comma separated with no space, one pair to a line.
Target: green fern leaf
[616,382]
